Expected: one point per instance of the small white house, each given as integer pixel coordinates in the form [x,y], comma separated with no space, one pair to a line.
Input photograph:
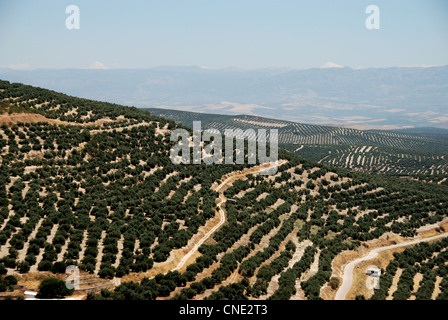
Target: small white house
[373,272]
[30,295]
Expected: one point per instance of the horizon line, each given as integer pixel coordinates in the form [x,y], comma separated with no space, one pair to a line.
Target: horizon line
[323,67]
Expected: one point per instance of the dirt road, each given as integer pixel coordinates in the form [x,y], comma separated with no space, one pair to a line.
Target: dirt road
[207,235]
[222,213]
[347,278]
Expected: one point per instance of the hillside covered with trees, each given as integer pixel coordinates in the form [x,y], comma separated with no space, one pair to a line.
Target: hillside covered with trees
[394,152]
[91,184]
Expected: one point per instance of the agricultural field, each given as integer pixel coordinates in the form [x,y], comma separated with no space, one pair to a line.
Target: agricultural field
[91,184]
[389,152]
[415,273]
[104,196]
[377,159]
[283,246]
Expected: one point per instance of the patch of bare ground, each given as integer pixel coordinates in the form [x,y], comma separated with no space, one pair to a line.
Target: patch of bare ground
[29,169]
[100,251]
[171,194]
[165,179]
[437,290]
[14,118]
[33,154]
[150,172]
[241,194]
[313,268]
[374,191]
[71,112]
[262,196]
[273,281]
[394,284]
[359,276]
[4,249]
[244,240]
[22,253]
[417,279]
[83,245]
[119,129]
[41,253]
[300,249]
[300,295]
[277,204]
[207,272]
[32,280]
[162,131]
[120,251]
[178,255]
[81,146]
[433,229]
[235,276]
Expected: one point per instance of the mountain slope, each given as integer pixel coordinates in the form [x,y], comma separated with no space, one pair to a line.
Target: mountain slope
[97,189]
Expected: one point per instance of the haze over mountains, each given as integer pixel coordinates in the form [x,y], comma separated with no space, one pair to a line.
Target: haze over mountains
[389,98]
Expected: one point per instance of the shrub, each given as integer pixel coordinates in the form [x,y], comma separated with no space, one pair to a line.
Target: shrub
[53,288]
[334,283]
[10,280]
[23,266]
[2,269]
[59,267]
[44,265]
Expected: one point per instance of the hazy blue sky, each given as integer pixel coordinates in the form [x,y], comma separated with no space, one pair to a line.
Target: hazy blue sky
[224,33]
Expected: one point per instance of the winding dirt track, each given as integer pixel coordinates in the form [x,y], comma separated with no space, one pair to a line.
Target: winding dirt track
[347,278]
[207,235]
[222,213]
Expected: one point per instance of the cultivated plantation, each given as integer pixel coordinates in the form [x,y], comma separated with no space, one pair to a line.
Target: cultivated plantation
[91,184]
[404,162]
[390,152]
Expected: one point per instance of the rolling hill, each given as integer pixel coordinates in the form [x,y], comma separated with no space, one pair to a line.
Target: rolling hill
[91,184]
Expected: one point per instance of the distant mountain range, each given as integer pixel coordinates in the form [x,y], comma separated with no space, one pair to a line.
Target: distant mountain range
[389,98]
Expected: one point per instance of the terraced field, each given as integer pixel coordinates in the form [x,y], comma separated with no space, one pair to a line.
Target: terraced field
[99,191]
[282,246]
[391,152]
[377,159]
[94,190]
